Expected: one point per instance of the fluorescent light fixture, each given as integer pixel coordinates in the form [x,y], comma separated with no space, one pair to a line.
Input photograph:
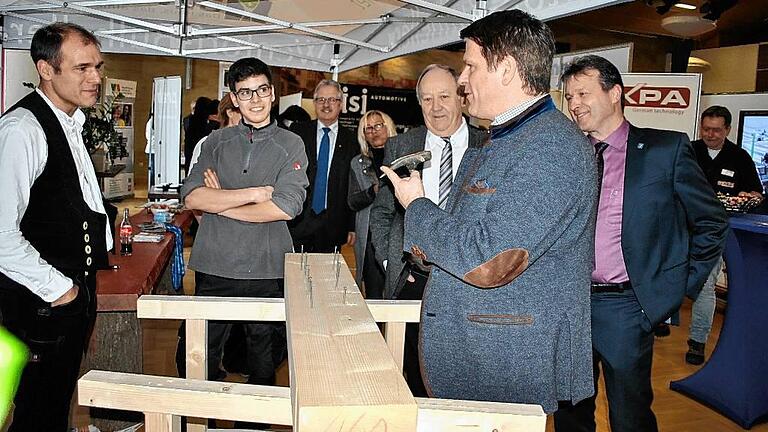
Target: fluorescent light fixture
[685,6]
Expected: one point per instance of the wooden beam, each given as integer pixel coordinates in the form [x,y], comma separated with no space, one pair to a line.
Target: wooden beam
[394,334]
[185,397]
[156,422]
[196,341]
[256,309]
[252,403]
[343,376]
[474,416]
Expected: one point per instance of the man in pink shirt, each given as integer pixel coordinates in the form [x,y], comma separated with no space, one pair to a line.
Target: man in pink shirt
[659,232]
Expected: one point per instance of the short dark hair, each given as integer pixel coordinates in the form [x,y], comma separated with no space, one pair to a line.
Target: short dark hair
[718,111]
[245,68]
[519,35]
[46,43]
[608,73]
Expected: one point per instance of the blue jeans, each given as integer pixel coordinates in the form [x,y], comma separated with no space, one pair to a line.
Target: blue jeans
[624,350]
[703,309]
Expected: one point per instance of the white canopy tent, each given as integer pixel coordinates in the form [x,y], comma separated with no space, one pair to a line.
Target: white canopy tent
[321,35]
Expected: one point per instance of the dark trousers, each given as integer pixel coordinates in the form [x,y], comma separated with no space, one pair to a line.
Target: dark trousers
[56,338]
[623,347]
[411,361]
[265,342]
[317,233]
[373,275]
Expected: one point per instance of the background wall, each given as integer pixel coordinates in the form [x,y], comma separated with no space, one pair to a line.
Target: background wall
[733,70]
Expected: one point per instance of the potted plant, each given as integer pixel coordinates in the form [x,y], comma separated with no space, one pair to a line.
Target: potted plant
[99,135]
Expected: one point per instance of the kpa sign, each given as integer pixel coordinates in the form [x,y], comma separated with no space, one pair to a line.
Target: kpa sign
[663,101]
[643,95]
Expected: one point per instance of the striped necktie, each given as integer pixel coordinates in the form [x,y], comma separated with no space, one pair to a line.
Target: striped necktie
[446,172]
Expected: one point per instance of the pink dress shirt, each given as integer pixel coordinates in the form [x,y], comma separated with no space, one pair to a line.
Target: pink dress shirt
[609,258]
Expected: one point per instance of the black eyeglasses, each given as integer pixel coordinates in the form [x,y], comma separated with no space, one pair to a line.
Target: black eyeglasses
[373,128]
[246,94]
[331,100]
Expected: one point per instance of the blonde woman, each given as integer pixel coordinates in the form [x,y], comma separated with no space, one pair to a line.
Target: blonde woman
[374,130]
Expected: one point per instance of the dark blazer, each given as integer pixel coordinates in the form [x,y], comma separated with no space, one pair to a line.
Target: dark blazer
[386,220]
[340,220]
[673,227]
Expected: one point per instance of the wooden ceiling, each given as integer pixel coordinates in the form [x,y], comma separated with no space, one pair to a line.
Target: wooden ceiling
[744,23]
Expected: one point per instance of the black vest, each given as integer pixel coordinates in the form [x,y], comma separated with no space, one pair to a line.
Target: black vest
[58,222]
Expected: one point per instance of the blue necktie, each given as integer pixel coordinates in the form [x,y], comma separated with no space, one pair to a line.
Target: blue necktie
[321,177]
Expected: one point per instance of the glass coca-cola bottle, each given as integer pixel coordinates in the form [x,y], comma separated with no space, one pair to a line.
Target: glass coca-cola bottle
[126,235]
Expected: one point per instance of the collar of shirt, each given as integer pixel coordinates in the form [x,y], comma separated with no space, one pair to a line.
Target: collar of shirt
[334,128]
[516,110]
[459,139]
[75,121]
[617,139]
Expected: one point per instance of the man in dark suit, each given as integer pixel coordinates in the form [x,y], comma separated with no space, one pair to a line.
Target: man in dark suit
[326,222]
[442,118]
[437,92]
[659,232]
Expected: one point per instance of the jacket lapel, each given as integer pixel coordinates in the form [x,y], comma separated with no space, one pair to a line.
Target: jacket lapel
[633,168]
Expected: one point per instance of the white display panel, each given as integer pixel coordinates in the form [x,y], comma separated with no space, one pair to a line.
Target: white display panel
[165,142]
[18,68]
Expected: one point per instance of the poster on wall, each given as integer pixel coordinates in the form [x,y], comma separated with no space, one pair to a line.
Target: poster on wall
[122,114]
[663,101]
[125,88]
[401,105]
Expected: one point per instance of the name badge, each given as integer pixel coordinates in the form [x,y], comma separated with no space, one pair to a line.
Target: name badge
[726,184]
[727,172]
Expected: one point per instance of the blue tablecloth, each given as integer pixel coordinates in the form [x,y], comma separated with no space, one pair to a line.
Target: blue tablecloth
[735,380]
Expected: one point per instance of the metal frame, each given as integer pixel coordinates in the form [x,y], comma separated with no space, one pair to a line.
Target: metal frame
[177,32]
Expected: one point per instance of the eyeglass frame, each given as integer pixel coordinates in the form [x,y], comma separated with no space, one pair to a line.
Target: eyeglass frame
[374,128]
[255,91]
[331,100]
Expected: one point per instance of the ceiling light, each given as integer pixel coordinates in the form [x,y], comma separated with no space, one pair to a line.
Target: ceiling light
[685,6]
[687,25]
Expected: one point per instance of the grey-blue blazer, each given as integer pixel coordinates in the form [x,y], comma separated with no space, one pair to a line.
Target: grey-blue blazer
[506,311]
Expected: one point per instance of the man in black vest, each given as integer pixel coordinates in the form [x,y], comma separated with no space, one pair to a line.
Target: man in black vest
[54,233]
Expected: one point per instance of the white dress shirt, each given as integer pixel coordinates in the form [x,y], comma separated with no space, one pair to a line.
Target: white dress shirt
[332,137]
[430,176]
[23,155]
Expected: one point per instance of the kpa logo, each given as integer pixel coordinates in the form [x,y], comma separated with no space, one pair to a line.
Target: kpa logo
[645,96]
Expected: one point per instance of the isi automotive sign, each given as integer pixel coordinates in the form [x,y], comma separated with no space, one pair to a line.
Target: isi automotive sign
[663,101]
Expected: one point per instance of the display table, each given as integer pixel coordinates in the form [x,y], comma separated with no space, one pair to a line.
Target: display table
[141,273]
[735,379]
[116,342]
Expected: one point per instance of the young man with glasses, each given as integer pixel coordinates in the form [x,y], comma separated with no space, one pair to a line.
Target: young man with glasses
[254,172]
[327,222]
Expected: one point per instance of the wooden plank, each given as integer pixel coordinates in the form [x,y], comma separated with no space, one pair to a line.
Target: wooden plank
[343,377]
[197,362]
[473,416]
[155,422]
[232,401]
[256,309]
[185,397]
[394,334]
